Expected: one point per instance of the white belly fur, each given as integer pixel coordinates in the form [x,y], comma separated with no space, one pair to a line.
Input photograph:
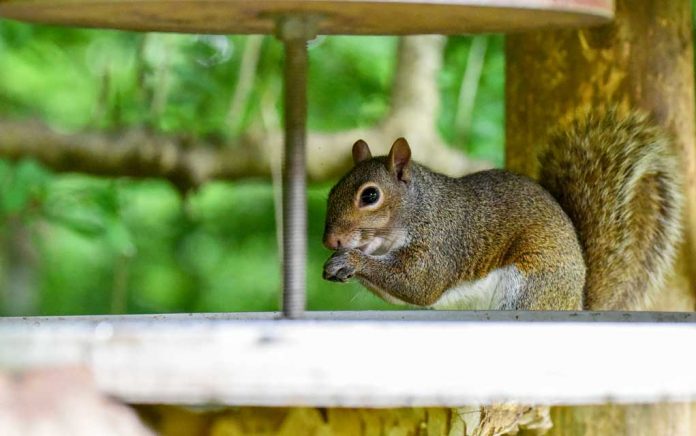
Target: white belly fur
[498,290]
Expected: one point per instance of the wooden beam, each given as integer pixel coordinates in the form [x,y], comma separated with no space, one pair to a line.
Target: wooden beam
[364,315]
[365,363]
[350,17]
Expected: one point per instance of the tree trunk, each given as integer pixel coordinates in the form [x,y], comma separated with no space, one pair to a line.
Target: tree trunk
[643,60]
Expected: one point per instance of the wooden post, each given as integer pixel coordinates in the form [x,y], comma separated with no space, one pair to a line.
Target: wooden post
[644,60]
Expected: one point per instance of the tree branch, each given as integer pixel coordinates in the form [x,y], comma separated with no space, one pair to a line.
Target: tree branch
[187,164]
[132,153]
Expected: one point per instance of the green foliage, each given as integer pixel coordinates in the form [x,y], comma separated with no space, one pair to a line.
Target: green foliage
[486,135]
[107,246]
[350,79]
[22,186]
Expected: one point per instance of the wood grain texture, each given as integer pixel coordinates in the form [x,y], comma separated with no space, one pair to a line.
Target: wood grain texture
[644,60]
[673,419]
[258,421]
[378,17]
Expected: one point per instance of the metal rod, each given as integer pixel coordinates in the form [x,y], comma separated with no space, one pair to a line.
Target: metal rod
[295,32]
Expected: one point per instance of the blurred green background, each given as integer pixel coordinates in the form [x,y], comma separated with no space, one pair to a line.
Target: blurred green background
[77,244]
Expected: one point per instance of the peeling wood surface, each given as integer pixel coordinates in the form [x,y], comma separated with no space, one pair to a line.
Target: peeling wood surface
[173,421]
[363,363]
[176,421]
[675,419]
[378,17]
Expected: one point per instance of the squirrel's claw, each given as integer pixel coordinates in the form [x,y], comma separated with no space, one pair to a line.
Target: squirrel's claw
[340,276]
[338,268]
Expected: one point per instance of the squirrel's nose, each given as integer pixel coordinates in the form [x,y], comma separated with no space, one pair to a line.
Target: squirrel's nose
[332,242]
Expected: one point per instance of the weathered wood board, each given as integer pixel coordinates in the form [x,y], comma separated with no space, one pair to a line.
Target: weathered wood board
[206,359]
[349,17]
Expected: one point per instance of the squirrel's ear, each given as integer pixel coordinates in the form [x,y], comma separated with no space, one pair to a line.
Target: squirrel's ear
[399,159]
[361,151]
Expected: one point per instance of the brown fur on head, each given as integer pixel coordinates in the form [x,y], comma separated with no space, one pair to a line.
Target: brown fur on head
[363,207]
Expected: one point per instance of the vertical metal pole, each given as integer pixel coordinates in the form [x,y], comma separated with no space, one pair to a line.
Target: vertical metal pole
[295,32]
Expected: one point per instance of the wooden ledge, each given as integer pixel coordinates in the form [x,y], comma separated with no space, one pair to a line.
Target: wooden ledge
[376,17]
[367,315]
[362,359]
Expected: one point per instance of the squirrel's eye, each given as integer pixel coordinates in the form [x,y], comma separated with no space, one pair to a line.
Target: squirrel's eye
[369,196]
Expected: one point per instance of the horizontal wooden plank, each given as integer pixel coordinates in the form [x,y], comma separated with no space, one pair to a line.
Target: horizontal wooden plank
[253,359]
[377,17]
[375,315]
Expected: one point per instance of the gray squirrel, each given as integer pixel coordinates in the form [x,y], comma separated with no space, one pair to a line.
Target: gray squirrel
[599,231]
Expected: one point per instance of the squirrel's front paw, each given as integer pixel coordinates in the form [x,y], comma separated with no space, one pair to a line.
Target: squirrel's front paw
[340,266]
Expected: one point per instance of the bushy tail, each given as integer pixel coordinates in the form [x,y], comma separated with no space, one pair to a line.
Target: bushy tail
[617,178]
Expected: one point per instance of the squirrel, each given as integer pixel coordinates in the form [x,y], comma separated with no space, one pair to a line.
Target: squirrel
[598,231]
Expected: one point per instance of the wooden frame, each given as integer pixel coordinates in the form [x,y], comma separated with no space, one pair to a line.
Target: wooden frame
[368,359]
